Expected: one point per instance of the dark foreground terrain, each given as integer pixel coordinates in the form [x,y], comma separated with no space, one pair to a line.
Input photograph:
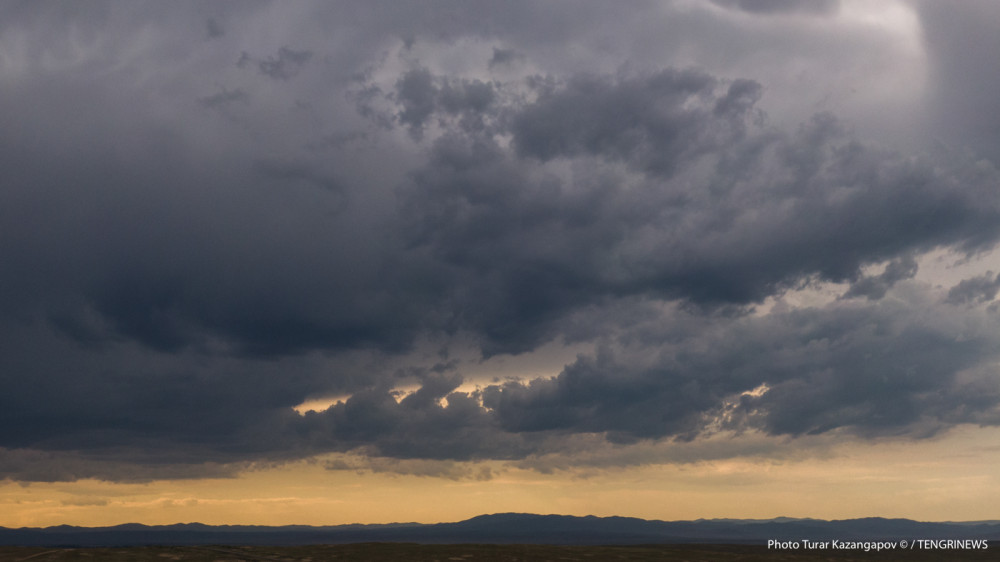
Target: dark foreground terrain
[385,552]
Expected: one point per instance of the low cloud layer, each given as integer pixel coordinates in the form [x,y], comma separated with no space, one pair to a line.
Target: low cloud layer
[203,230]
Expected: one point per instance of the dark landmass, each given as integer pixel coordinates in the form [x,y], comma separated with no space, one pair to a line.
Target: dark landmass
[511,528]
[403,552]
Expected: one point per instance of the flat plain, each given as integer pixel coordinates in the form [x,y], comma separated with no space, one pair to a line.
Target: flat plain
[385,552]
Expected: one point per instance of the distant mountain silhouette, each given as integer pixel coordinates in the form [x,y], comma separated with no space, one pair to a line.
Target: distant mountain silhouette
[510,528]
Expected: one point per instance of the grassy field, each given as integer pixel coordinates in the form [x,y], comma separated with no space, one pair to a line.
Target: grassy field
[379,552]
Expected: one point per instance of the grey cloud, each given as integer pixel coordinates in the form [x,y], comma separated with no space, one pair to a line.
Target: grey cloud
[873,368]
[982,288]
[184,278]
[416,467]
[781,6]
[421,94]
[898,374]
[33,465]
[126,414]
[471,96]
[875,286]
[504,57]
[296,172]
[603,395]
[364,100]
[286,65]
[879,369]
[416,427]
[213,29]
[959,41]
[341,140]
[155,239]
[224,98]
[723,211]
[416,92]
[654,121]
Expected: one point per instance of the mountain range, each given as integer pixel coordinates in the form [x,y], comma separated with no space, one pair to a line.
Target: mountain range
[510,528]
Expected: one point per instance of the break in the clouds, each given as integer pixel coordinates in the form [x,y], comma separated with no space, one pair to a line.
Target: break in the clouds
[213,213]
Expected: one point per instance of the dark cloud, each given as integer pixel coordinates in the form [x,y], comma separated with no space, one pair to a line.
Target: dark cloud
[296,172]
[982,288]
[958,43]
[285,65]
[888,368]
[417,96]
[224,98]
[341,140]
[781,6]
[213,29]
[504,57]
[33,465]
[176,280]
[416,427]
[875,286]
[719,211]
[421,94]
[653,121]
[902,366]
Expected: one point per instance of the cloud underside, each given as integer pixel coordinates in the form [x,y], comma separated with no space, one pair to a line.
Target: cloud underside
[166,308]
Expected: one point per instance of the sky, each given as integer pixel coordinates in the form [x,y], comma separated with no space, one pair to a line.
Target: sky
[314,263]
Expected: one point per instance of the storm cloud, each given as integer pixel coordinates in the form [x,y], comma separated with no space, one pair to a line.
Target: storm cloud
[204,226]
